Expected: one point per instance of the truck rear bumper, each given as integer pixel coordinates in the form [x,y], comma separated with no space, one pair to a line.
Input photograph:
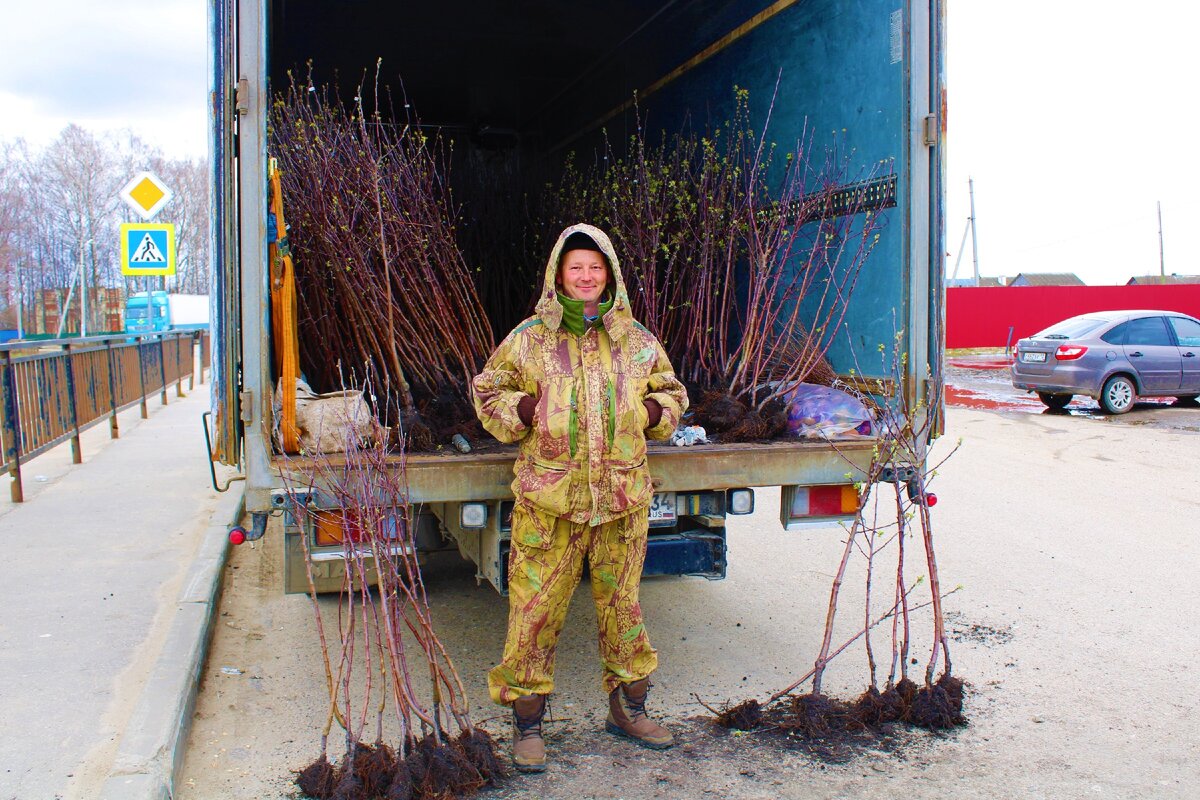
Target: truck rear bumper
[454,477]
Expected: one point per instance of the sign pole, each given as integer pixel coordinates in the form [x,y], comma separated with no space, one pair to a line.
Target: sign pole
[974,241]
[1162,260]
[147,249]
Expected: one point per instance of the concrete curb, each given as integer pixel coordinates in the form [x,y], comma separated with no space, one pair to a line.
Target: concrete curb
[153,743]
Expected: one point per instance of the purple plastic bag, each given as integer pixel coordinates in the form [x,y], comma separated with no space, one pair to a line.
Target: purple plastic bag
[821,412]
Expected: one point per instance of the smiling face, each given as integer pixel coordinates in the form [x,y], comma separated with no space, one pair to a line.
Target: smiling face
[583,275]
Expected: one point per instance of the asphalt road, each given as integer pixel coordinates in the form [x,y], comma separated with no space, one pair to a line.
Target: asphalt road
[1074,545]
[94,560]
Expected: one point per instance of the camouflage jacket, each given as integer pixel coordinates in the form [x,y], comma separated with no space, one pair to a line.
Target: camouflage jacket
[584,457]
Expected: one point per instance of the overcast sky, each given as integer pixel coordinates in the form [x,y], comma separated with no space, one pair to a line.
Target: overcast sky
[140,65]
[1074,117]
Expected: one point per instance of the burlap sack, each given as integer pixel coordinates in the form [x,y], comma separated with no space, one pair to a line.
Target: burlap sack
[331,422]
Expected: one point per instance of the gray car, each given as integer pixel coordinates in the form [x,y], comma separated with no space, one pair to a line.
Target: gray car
[1113,357]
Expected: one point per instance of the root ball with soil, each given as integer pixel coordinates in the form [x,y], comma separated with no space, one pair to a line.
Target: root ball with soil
[878,528]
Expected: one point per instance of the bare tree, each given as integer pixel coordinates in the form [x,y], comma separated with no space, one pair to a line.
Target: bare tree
[11,208]
[84,180]
[190,212]
[60,211]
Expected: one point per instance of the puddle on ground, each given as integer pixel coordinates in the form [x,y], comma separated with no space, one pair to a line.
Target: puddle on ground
[969,398]
[983,382]
[978,362]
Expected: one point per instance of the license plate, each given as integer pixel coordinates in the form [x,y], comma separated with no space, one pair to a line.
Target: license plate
[1033,358]
[662,507]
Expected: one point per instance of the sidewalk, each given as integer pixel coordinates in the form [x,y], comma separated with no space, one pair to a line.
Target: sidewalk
[111,570]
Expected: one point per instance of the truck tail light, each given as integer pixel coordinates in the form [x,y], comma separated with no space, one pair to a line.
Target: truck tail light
[818,503]
[830,501]
[329,528]
[335,526]
[1069,352]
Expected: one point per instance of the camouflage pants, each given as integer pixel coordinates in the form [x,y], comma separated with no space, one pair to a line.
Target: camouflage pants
[545,565]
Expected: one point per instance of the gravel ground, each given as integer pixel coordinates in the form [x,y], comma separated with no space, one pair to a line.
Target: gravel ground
[1073,541]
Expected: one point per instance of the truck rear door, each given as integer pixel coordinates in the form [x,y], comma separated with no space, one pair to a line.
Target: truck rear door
[226,325]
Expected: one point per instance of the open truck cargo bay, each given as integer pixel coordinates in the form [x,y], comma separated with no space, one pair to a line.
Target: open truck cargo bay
[537,81]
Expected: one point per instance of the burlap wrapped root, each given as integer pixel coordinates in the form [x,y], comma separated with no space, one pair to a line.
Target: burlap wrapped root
[332,422]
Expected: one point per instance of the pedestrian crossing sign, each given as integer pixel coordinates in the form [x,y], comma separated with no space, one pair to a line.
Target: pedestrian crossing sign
[147,248]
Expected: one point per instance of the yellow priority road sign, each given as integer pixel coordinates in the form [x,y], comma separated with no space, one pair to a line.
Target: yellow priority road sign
[147,248]
[146,194]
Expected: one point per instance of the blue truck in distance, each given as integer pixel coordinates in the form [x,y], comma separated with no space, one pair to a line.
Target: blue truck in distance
[155,312]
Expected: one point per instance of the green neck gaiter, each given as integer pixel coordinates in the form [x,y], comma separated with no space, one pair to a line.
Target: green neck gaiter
[572,318]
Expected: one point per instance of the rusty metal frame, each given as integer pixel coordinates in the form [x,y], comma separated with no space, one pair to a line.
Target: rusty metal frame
[447,477]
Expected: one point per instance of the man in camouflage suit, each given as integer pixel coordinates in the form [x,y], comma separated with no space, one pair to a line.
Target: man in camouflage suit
[581,385]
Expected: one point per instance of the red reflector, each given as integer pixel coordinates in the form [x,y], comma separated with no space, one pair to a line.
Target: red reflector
[832,501]
[1069,352]
[930,499]
[237,536]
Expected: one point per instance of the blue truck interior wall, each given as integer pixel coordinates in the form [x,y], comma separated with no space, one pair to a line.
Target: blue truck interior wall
[831,60]
[837,85]
[552,74]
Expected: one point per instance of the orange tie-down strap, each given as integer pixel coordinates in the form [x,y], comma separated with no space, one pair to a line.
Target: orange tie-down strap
[283,316]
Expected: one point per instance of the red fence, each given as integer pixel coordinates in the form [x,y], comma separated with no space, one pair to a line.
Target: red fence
[982,316]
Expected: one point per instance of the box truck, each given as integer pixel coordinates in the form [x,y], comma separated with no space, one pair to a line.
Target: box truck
[549,77]
[155,311]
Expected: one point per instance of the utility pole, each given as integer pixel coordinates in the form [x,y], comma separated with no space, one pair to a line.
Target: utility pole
[961,245]
[83,307]
[62,314]
[974,241]
[20,301]
[1162,262]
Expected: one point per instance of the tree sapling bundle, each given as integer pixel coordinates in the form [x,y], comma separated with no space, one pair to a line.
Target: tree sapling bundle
[740,260]
[900,461]
[386,648]
[383,288]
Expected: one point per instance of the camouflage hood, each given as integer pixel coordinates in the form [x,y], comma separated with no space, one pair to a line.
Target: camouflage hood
[619,318]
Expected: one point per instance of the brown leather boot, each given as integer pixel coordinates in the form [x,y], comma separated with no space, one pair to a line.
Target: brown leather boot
[528,749]
[636,725]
